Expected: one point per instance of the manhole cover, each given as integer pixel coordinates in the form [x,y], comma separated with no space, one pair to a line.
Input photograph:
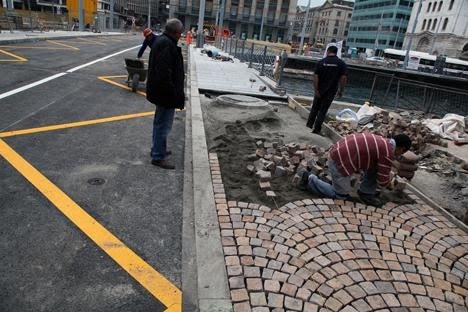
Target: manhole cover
[96,181]
[241,100]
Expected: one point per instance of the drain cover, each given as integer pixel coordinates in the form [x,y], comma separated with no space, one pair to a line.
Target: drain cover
[96,181]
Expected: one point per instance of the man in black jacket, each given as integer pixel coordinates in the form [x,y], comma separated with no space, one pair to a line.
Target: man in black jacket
[165,88]
[329,73]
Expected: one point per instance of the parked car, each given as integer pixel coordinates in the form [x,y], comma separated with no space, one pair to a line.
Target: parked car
[377,60]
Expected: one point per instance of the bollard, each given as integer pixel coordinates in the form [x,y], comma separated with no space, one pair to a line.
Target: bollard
[262,71]
[242,53]
[235,49]
[251,55]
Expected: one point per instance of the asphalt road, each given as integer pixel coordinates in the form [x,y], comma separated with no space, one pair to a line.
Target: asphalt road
[96,227]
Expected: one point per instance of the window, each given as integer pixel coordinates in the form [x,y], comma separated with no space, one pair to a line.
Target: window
[335,31]
[451,4]
[429,7]
[444,26]
[338,13]
[434,25]
[434,7]
[349,15]
[423,25]
[440,6]
[429,25]
[337,23]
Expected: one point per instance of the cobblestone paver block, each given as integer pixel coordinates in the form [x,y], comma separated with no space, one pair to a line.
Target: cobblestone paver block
[334,255]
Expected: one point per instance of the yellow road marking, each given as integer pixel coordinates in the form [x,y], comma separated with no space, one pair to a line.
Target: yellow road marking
[106,79]
[73,124]
[161,288]
[37,48]
[17,57]
[92,41]
[63,44]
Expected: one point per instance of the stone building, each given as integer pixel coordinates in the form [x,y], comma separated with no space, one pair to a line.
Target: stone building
[326,23]
[441,28]
[242,17]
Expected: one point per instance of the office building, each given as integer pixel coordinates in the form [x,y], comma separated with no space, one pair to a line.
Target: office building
[377,25]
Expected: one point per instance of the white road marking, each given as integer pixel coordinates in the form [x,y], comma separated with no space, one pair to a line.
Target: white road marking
[39,82]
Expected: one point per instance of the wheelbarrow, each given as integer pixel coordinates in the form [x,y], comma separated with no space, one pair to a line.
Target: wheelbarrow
[136,72]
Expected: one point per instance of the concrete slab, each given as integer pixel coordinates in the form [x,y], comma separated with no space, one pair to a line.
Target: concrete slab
[228,77]
[212,288]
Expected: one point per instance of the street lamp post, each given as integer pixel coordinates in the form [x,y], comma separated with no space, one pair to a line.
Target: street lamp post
[306,17]
[410,42]
[149,13]
[201,19]
[265,11]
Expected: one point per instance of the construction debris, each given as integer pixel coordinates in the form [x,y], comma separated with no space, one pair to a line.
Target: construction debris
[388,124]
[273,160]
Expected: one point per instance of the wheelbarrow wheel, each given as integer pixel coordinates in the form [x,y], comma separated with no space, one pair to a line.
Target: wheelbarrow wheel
[135,81]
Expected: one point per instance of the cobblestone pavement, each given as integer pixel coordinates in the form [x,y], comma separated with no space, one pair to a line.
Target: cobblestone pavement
[332,255]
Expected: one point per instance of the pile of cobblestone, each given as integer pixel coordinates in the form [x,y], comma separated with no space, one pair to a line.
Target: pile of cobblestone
[272,160]
[388,124]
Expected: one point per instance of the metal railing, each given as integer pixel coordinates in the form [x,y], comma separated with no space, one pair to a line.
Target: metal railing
[383,89]
[257,56]
[386,90]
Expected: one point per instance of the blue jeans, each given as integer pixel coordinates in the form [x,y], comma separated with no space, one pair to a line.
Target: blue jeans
[162,125]
[341,186]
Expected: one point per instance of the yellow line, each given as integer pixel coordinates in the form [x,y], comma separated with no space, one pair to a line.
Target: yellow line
[73,124]
[92,41]
[38,48]
[161,288]
[17,57]
[63,44]
[106,79]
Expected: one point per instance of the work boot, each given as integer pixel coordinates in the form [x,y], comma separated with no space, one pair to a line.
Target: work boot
[318,132]
[163,163]
[369,199]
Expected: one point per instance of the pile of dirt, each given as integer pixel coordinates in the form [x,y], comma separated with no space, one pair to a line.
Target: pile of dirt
[232,133]
[236,135]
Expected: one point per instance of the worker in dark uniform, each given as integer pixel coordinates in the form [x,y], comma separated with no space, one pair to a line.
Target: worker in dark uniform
[330,73]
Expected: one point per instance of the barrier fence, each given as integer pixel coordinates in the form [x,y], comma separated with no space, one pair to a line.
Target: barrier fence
[383,89]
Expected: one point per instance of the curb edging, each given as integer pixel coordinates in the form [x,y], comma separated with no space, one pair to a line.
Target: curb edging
[212,284]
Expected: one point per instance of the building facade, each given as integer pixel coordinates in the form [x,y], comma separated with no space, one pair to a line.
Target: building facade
[441,28]
[334,19]
[244,18]
[327,23]
[377,24]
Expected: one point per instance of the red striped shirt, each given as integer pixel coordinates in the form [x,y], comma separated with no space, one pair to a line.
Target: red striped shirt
[363,151]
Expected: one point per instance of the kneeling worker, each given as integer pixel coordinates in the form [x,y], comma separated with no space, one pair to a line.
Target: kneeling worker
[370,153]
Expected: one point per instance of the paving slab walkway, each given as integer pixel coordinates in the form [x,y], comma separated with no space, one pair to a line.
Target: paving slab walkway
[228,77]
[334,255]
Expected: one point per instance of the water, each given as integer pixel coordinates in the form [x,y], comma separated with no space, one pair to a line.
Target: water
[384,94]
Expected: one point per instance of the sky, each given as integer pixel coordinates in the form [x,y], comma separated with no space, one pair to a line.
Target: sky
[313,3]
